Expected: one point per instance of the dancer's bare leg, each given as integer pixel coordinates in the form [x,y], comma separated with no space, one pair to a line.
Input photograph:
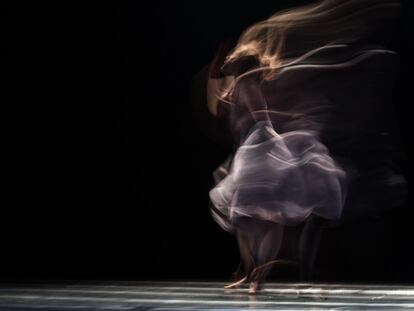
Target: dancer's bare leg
[246,261]
[259,243]
[269,247]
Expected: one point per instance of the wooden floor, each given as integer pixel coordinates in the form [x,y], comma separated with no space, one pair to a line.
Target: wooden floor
[204,296]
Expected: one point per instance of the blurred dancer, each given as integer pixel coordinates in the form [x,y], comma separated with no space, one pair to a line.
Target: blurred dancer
[301,92]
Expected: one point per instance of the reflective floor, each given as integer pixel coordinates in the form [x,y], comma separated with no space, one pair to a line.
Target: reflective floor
[204,296]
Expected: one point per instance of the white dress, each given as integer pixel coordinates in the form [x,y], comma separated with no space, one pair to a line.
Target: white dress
[280,178]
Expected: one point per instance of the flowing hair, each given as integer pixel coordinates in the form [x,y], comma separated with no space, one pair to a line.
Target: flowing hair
[301,29]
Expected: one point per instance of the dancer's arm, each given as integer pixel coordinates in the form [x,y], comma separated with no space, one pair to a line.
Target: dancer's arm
[215,89]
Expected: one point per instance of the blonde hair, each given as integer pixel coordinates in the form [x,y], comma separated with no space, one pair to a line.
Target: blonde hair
[328,21]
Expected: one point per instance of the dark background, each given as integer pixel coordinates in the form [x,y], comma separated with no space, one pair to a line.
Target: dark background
[107,168]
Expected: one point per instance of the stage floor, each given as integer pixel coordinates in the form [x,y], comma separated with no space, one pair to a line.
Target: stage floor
[157,296]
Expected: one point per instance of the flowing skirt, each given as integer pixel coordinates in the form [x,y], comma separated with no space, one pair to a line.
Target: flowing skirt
[281,178]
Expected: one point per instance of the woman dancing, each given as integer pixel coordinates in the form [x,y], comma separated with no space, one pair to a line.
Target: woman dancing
[292,86]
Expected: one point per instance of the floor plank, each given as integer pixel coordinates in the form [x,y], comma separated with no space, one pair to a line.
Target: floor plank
[173,296]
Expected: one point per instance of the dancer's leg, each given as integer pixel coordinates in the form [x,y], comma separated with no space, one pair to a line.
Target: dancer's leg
[246,263]
[271,238]
[246,252]
[246,243]
[270,243]
[259,243]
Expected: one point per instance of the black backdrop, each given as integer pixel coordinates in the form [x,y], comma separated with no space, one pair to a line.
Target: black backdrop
[108,169]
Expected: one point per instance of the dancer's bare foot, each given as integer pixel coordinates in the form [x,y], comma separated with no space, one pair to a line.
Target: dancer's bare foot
[236,284]
[255,288]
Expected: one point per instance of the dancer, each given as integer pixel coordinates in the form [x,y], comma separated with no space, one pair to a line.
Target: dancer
[294,84]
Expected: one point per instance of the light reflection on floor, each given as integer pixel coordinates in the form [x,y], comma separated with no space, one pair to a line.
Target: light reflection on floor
[157,296]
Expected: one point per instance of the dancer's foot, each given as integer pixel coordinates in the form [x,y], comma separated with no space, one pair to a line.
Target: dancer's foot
[237,275]
[255,288]
[236,284]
